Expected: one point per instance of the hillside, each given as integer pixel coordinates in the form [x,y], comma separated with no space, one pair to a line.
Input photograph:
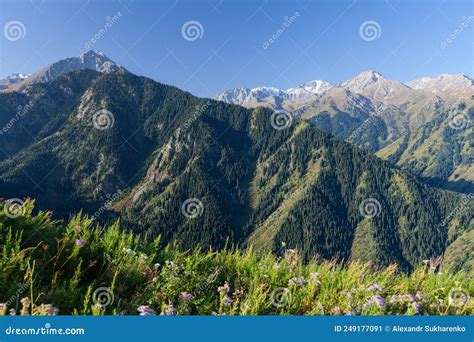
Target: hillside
[203,173]
[428,120]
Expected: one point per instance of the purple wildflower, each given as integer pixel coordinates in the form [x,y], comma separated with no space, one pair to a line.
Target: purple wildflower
[77,228]
[47,310]
[224,288]
[79,242]
[409,298]
[146,311]
[419,295]
[26,303]
[186,296]
[417,306]
[227,301]
[351,313]
[374,287]
[169,310]
[394,298]
[368,304]
[378,299]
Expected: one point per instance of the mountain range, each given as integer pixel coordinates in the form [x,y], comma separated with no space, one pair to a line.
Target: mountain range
[203,172]
[13,79]
[88,60]
[424,126]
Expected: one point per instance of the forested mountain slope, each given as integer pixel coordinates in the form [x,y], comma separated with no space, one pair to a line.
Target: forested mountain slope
[203,173]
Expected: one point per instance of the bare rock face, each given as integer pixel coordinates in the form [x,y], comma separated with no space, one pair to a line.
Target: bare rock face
[445,84]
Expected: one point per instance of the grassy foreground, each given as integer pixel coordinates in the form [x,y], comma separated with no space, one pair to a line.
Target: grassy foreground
[49,267]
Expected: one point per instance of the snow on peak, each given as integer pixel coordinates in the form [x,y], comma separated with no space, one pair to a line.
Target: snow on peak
[363,80]
[443,83]
[314,87]
[245,96]
[13,79]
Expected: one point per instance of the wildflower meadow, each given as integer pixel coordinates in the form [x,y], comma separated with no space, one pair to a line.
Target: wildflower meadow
[50,267]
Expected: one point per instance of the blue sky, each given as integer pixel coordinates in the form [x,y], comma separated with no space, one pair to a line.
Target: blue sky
[322,39]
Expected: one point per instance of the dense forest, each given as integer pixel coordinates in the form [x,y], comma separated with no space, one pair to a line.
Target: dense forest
[205,174]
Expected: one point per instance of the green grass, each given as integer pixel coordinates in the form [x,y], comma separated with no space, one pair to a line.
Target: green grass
[82,269]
